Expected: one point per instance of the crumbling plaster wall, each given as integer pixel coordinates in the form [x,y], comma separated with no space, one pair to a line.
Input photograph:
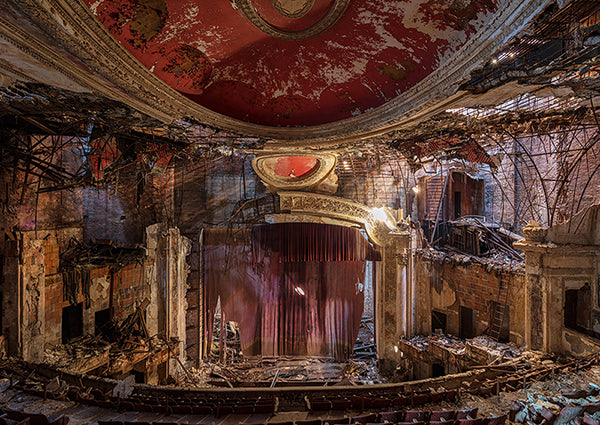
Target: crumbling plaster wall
[394,297]
[444,285]
[561,258]
[31,288]
[166,271]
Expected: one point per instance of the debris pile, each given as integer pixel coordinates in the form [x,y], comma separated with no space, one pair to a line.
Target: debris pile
[81,355]
[98,253]
[364,347]
[285,371]
[565,398]
[115,351]
[448,342]
[459,354]
[494,262]
[489,351]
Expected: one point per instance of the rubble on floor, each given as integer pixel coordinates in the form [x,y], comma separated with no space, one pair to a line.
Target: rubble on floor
[228,368]
[495,351]
[364,348]
[114,352]
[82,355]
[314,371]
[560,399]
[463,354]
[493,262]
[448,342]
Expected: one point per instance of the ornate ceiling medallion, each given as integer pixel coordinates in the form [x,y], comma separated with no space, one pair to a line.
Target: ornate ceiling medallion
[293,9]
[335,13]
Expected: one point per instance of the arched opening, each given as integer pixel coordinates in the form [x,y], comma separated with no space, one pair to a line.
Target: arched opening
[296,289]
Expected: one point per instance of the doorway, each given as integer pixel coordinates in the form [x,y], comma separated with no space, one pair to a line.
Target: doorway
[72,322]
[438,322]
[468,323]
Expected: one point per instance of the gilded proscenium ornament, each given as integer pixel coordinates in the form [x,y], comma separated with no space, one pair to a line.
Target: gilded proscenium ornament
[339,208]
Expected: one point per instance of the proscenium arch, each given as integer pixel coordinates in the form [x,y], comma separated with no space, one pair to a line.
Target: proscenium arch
[378,223]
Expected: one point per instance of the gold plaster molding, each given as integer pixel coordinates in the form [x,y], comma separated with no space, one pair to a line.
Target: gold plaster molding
[325,167]
[114,73]
[332,16]
[307,204]
[279,6]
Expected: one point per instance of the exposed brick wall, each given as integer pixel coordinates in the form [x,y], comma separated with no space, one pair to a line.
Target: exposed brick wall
[130,288]
[51,256]
[445,286]
[430,197]
[376,185]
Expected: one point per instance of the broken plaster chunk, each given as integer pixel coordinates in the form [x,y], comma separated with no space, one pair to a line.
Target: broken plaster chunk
[4,384]
[125,387]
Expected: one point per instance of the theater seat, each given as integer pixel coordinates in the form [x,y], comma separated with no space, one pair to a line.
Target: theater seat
[393,417]
[467,414]
[363,419]
[446,415]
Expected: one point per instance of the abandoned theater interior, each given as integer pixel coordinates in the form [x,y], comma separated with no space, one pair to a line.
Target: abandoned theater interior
[300,212]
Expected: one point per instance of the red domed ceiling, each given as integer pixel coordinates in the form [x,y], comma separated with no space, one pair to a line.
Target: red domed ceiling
[292,62]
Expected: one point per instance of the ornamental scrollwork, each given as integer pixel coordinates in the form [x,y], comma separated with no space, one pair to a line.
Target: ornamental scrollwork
[379,232]
[335,13]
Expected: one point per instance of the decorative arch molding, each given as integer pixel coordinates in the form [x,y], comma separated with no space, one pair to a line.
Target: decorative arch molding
[321,178]
[107,69]
[298,13]
[332,16]
[379,223]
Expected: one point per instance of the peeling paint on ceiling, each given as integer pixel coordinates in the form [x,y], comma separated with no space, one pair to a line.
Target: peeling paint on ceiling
[210,52]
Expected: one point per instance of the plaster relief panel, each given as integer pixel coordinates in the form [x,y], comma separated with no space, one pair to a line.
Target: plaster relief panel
[99,290]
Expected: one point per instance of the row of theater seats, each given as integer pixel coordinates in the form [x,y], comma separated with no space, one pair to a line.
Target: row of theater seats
[365,403]
[219,404]
[13,417]
[462,417]
[168,405]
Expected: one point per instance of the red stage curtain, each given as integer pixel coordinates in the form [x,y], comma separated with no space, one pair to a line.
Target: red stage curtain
[293,288]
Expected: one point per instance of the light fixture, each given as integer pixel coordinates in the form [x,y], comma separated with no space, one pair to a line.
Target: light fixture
[415,189]
[299,290]
[395,348]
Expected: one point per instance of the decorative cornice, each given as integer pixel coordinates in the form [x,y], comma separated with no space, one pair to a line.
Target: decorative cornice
[379,231]
[332,16]
[121,77]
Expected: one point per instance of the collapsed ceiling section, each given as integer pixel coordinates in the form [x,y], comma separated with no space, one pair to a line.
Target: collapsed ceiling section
[309,74]
[544,80]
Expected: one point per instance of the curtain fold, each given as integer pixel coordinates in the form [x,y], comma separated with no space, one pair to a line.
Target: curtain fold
[292,287]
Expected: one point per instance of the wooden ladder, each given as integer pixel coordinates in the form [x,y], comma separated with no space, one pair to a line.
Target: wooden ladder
[499,316]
